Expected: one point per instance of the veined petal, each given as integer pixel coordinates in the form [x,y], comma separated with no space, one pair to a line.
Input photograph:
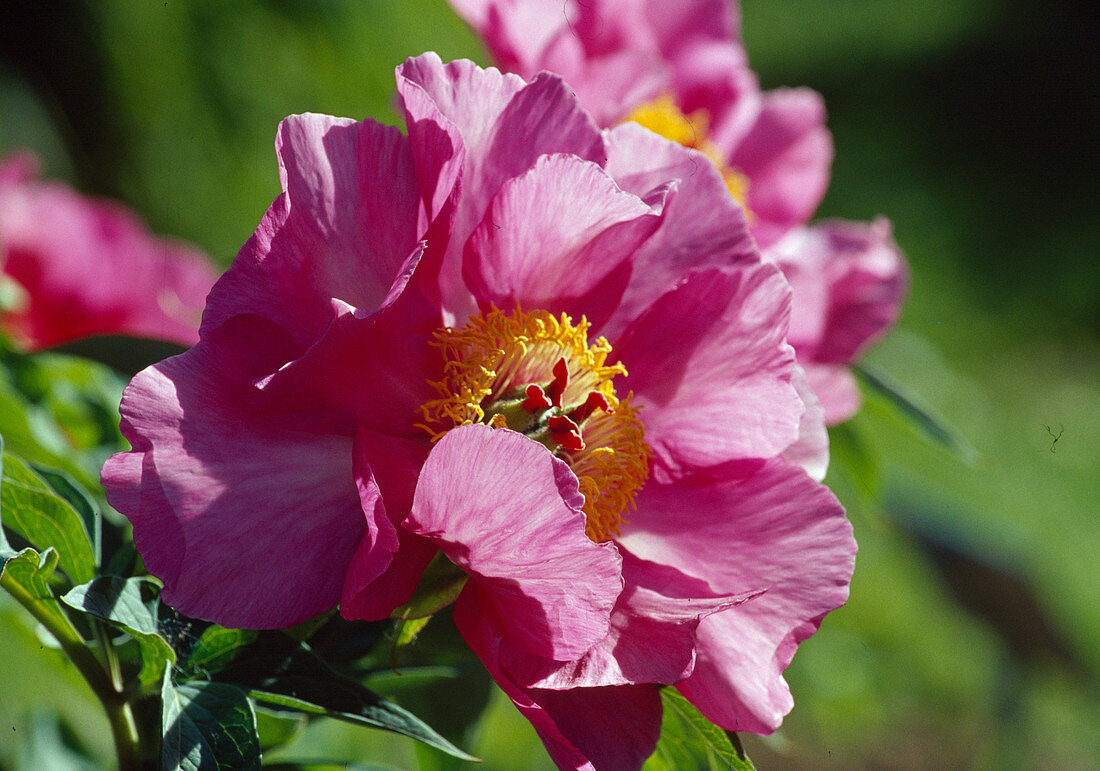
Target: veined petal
[711,371]
[506,511]
[702,225]
[576,260]
[582,728]
[247,524]
[775,530]
[343,227]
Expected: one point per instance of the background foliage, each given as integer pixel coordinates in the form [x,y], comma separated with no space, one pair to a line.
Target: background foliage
[971,632]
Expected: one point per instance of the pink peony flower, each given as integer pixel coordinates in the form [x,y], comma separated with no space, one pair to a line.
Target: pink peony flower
[551,353]
[678,68]
[72,267]
[848,280]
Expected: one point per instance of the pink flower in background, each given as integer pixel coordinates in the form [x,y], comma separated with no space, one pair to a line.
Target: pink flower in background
[847,280]
[73,267]
[549,351]
[678,68]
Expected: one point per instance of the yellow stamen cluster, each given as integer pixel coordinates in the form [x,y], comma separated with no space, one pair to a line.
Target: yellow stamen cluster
[662,116]
[492,358]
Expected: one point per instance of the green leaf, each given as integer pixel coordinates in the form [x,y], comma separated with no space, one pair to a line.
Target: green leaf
[216,648]
[280,672]
[21,438]
[30,508]
[65,487]
[689,740]
[207,726]
[130,605]
[851,459]
[926,424]
[26,576]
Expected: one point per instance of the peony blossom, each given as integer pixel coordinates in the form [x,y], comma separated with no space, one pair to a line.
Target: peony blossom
[73,267]
[847,280]
[548,352]
[678,68]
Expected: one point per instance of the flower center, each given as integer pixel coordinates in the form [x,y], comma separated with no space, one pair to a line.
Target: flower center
[537,374]
[662,116]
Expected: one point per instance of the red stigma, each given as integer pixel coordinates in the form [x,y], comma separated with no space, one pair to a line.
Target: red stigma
[559,383]
[565,433]
[595,401]
[536,398]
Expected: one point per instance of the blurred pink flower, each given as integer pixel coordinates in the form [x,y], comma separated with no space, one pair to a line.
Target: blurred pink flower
[847,281]
[405,296]
[73,267]
[678,68]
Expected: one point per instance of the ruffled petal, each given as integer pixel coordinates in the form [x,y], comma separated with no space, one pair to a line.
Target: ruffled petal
[811,451]
[710,369]
[582,728]
[651,640]
[786,156]
[343,227]
[505,124]
[507,512]
[775,530]
[247,524]
[576,260]
[702,225]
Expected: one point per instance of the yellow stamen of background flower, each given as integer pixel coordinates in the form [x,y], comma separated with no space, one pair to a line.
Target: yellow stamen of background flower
[488,365]
[662,116]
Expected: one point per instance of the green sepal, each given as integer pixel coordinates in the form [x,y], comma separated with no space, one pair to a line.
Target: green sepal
[439,587]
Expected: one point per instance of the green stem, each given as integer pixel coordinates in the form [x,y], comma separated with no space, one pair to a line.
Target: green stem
[119,712]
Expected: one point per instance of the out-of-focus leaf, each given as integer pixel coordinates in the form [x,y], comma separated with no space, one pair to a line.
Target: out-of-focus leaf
[917,416]
[30,508]
[280,672]
[216,648]
[47,747]
[207,726]
[128,355]
[130,605]
[851,459]
[277,727]
[689,740]
[20,437]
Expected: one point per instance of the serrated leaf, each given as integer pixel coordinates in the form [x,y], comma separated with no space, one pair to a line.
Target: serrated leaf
[128,604]
[30,508]
[280,672]
[918,417]
[216,648]
[207,726]
[689,740]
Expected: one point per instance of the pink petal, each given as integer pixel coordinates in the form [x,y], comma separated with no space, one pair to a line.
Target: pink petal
[651,640]
[560,238]
[508,513]
[367,369]
[582,728]
[811,451]
[394,465]
[247,524]
[343,227]
[786,156]
[709,366]
[87,267]
[775,530]
[836,389]
[505,125]
[702,225]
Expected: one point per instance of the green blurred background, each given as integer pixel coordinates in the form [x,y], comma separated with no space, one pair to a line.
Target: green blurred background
[971,636]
